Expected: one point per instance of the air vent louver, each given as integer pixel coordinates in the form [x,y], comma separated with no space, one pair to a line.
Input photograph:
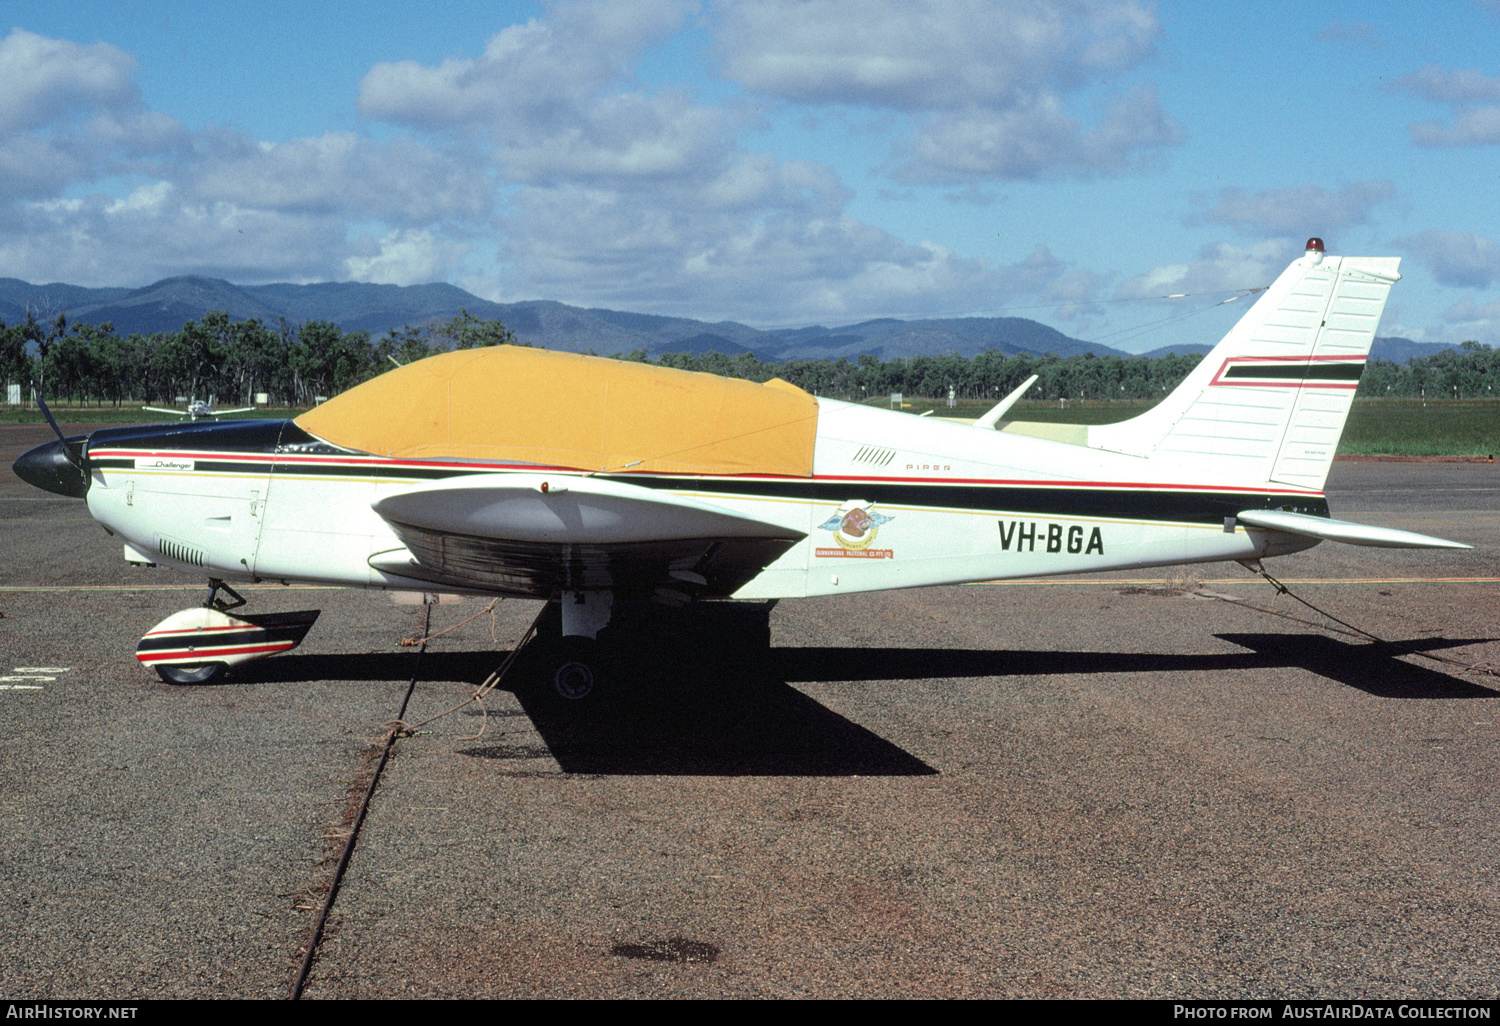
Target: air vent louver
[874,456]
[177,552]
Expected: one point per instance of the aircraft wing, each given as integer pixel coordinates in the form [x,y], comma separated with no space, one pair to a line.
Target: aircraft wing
[1328,529]
[160,409]
[533,534]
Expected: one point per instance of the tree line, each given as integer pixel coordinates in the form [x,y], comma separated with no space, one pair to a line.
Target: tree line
[233,361]
[216,358]
[1472,371]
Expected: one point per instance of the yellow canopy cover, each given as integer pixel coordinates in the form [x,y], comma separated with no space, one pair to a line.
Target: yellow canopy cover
[583,412]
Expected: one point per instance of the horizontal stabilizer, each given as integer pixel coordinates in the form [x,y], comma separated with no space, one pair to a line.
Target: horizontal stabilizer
[1342,531]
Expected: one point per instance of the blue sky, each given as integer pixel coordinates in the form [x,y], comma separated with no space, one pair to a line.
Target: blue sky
[767,161]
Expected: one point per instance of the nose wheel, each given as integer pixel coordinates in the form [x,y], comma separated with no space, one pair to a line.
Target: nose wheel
[201,674]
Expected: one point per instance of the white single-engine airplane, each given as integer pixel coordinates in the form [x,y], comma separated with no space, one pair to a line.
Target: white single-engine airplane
[198,409]
[596,483]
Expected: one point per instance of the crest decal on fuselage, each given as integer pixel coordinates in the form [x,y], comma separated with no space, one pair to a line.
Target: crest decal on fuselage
[855,525]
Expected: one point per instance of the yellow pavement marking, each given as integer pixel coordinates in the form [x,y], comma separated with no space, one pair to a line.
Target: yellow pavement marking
[167,587]
[1064,582]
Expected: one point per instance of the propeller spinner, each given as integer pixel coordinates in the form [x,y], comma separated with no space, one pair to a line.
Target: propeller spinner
[59,467]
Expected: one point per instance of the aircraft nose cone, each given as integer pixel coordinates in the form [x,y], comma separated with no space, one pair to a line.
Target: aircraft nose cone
[52,467]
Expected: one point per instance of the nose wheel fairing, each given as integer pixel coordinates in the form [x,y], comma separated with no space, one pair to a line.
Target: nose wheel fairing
[195,645]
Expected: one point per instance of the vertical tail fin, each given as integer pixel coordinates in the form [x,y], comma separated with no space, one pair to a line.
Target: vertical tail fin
[1268,404]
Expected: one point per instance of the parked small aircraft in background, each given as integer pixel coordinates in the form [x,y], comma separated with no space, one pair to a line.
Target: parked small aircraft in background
[598,483]
[199,410]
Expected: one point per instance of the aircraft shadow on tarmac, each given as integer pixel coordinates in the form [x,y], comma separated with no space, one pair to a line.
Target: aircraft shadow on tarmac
[1375,668]
[698,711]
[1370,667]
[719,717]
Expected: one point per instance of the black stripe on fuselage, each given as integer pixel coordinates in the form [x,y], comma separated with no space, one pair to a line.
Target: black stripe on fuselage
[1187,506]
[281,438]
[221,465]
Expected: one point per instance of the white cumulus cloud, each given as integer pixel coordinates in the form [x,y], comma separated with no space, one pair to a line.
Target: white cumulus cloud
[215,201]
[985,83]
[43,79]
[407,257]
[155,231]
[399,181]
[1220,267]
[1468,320]
[1460,259]
[1301,210]
[1473,99]
[1035,139]
[527,73]
[927,54]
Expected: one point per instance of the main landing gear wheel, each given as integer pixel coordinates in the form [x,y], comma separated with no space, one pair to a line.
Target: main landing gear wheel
[577,674]
[203,673]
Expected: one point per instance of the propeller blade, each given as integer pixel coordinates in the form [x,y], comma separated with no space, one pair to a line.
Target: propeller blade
[48,414]
[67,449]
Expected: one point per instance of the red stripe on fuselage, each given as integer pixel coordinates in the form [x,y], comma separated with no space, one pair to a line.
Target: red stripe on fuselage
[312,462]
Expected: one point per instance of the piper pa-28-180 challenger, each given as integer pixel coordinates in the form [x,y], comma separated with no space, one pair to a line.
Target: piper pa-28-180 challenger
[598,483]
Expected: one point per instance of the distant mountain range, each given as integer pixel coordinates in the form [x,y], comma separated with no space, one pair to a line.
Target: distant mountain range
[1394,349]
[355,306]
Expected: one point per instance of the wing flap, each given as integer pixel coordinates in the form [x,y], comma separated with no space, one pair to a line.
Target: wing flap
[1342,531]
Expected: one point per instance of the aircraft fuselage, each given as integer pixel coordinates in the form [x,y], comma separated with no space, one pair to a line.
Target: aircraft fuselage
[893,501]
